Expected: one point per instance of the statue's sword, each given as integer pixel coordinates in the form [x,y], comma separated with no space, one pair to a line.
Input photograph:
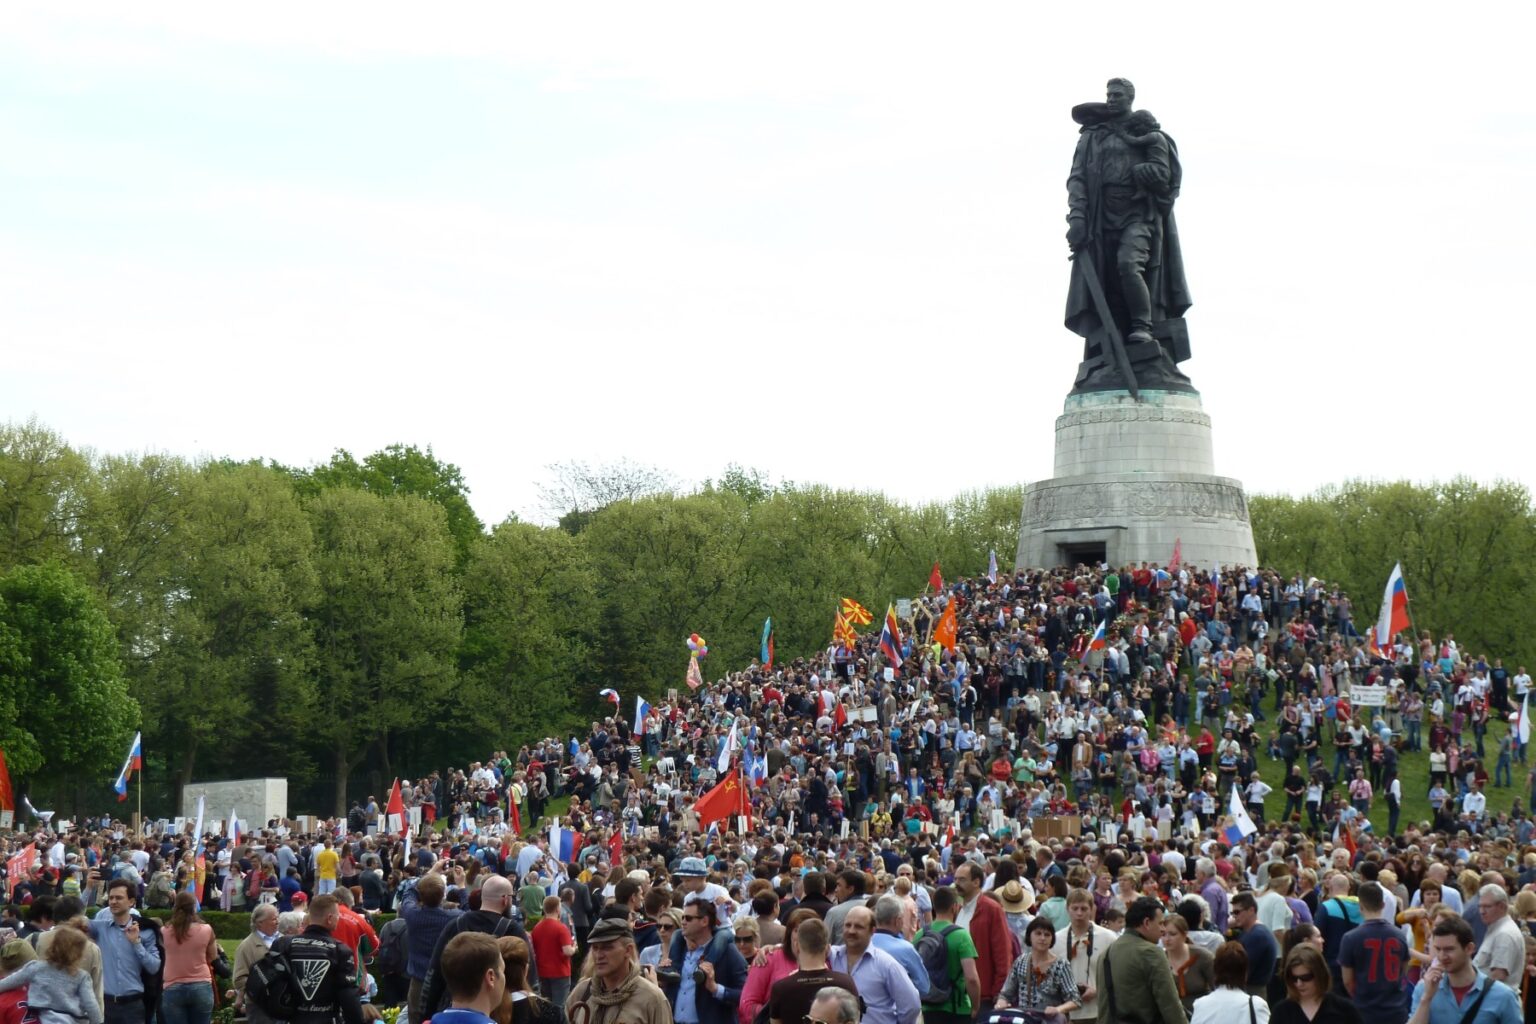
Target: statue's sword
[1116,343]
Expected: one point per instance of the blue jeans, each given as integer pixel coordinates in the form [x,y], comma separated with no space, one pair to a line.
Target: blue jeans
[557,990]
[190,1003]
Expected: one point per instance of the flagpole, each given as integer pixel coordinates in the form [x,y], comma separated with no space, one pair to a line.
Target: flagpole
[141,797]
[1408,608]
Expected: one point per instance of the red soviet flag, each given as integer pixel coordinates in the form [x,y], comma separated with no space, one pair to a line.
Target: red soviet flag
[722,801]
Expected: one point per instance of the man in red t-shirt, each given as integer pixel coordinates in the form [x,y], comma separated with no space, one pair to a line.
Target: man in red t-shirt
[553,947]
[353,929]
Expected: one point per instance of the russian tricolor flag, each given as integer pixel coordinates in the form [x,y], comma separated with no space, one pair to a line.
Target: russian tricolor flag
[1394,609]
[890,638]
[233,831]
[135,762]
[1097,641]
[642,710]
[564,844]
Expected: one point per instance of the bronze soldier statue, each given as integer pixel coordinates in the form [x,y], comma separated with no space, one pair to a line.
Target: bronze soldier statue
[1126,264]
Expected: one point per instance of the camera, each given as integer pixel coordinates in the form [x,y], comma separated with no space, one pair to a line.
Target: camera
[700,978]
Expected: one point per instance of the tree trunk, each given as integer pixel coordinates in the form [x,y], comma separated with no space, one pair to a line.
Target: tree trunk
[343,767]
[184,777]
[382,777]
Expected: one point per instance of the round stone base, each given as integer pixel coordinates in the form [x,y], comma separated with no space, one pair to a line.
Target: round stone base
[1132,480]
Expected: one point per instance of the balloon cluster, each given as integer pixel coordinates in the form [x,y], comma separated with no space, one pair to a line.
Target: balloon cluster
[696,645]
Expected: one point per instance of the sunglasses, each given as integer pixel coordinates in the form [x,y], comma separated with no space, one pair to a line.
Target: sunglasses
[694,917]
[1300,978]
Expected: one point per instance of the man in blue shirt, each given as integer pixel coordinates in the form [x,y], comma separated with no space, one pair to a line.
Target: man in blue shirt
[476,979]
[1258,942]
[889,913]
[889,995]
[127,954]
[1452,988]
[708,969]
[1374,960]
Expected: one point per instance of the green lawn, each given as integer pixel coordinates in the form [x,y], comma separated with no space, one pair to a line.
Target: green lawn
[1413,769]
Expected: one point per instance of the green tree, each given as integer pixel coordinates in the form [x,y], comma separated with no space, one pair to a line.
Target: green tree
[235,646]
[42,484]
[1465,548]
[403,469]
[670,566]
[387,622]
[71,713]
[531,623]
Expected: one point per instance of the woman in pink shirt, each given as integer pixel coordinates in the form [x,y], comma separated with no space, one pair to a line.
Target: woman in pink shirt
[190,947]
[768,968]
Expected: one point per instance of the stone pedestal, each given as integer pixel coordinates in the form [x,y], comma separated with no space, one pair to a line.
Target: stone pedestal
[1132,478]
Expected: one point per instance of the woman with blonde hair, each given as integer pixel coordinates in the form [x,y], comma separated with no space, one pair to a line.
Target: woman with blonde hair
[520,1004]
[769,968]
[59,988]
[190,949]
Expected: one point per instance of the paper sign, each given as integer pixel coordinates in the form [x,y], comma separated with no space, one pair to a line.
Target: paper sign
[868,714]
[998,819]
[864,828]
[845,828]
[413,815]
[7,819]
[741,824]
[890,674]
[903,607]
[1368,696]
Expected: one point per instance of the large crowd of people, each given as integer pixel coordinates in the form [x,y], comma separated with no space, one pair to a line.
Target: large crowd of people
[1145,795]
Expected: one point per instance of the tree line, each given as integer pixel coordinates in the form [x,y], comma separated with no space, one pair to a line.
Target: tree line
[344,623]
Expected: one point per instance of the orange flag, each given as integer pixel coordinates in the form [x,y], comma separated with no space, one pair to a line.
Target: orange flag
[842,632]
[947,630]
[722,801]
[935,580]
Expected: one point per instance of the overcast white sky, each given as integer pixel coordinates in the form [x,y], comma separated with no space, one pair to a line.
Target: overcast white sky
[824,240]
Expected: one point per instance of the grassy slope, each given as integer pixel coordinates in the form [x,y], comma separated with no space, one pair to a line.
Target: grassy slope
[1413,769]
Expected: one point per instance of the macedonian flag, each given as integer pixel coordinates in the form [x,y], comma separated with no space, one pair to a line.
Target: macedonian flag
[855,613]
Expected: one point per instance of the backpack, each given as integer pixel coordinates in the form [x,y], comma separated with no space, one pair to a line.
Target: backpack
[393,954]
[933,950]
[272,986]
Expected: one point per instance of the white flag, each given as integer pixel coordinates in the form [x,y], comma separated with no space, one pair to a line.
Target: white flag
[1242,825]
[732,744]
[1525,718]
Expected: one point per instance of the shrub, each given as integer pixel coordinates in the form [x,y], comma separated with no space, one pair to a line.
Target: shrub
[237,925]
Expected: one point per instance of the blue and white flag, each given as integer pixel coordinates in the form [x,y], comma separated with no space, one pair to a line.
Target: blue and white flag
[1242,825]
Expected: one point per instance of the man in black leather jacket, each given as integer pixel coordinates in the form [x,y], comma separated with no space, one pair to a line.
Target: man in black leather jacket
[323,969]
